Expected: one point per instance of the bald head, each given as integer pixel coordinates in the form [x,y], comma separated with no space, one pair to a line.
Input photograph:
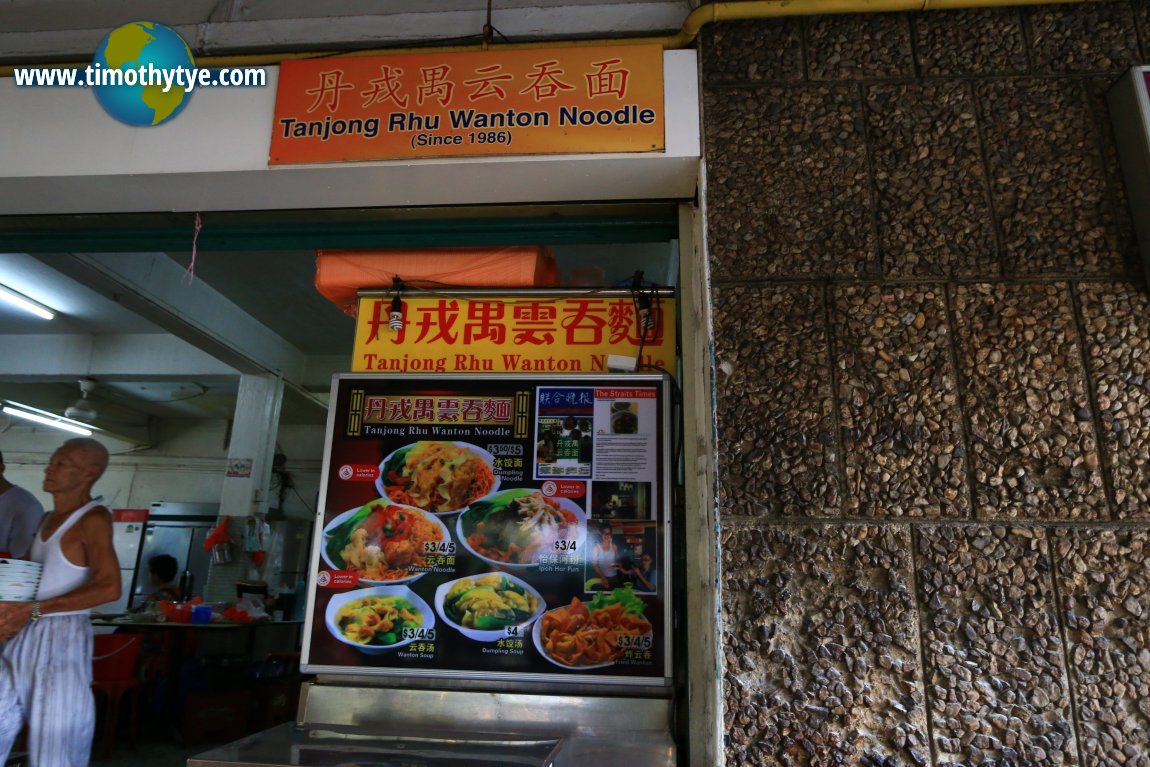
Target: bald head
[90,453]
[73,469]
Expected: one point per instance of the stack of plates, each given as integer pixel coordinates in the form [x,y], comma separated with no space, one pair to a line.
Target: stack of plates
[19,580]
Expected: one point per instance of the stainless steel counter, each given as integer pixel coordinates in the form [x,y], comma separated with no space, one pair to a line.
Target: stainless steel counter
[425,728]
[290,744]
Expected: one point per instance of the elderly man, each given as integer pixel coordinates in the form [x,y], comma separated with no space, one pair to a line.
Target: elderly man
[20,515]
[46,662]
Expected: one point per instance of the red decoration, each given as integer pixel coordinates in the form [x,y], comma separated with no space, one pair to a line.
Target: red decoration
[218,535]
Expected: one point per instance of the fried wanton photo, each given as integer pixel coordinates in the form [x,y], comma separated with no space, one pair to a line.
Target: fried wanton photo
[584,634]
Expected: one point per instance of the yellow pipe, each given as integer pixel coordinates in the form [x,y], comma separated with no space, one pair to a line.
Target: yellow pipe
[692,26]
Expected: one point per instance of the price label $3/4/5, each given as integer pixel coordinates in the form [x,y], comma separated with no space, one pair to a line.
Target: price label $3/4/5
[421,633]
[634,641]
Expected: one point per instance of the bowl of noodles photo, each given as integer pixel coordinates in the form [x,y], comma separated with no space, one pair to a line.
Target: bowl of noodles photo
[382,541]
[595,634]
[439,477]
[511,528]
[379,619]
[488,607]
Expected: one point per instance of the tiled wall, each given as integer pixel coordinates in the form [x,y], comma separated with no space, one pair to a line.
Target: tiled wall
[933,355]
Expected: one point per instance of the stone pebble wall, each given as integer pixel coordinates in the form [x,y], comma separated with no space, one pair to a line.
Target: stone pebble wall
[932,339]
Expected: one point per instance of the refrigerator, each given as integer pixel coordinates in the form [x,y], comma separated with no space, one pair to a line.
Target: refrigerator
[177,529]
[286,570]
[127,538]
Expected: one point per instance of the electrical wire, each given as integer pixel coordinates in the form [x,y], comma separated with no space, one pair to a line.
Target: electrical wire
[306,505]
[648,313]
[678,425]
[119,395]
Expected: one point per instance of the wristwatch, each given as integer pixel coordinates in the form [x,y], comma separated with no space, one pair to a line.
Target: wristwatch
[36,615]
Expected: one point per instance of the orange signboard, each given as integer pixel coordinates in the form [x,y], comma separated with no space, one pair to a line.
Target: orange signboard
[532,101]
[519,334]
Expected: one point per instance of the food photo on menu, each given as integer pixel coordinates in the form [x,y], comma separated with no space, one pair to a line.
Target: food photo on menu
[484,607]
[381,542]
[439,477]
[594,633]
[378,620]
[624,418]
[514,527]
[443,550]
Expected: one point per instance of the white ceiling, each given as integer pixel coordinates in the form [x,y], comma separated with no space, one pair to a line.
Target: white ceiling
[79,309]
[135,385]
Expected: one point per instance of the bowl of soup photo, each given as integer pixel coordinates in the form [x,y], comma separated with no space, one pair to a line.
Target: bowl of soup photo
[379,619]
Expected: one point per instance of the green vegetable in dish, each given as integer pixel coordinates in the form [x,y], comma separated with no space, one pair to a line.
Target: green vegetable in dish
[632,604]
[339,536]
[489,603]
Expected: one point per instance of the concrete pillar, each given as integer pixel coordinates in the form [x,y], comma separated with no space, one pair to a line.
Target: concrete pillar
[251,446]
[245,487]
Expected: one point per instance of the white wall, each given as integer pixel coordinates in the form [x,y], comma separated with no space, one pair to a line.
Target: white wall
[187,465]
[62,154]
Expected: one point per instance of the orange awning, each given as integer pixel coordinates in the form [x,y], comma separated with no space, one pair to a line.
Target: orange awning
[341,274]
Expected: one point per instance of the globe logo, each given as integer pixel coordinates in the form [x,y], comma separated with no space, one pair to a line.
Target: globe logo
[147,48]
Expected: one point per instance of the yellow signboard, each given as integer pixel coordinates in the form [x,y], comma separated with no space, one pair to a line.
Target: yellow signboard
[513,334]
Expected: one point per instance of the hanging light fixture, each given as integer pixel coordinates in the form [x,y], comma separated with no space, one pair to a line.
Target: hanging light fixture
[395,316]
[81,409]
[44,418]
[21,301]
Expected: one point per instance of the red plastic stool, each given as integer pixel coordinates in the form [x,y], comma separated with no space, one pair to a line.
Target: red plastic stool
[114,659]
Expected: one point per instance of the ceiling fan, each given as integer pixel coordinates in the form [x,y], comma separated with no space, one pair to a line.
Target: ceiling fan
[82,409]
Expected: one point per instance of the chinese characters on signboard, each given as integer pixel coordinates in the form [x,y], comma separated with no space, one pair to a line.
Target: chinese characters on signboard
[437,410]
[504,334]
[451,104]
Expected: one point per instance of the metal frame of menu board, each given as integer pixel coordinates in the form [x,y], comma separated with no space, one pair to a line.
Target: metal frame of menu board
[510,528]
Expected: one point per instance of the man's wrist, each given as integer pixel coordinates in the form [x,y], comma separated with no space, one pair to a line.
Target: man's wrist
[36,612]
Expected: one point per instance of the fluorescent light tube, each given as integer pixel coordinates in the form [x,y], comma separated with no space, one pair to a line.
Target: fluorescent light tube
[22,301]
[47,419]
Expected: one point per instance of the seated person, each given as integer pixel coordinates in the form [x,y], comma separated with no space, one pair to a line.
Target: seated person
[162,570]
[641,576]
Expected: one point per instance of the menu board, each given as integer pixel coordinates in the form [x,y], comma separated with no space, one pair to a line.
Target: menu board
[509,527]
